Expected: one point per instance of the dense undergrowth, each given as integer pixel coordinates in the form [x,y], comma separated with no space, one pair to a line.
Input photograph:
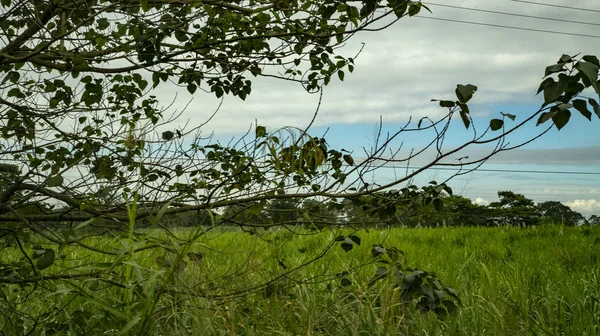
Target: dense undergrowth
[536,281]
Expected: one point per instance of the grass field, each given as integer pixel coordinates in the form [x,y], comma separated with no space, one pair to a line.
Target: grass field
[536,281]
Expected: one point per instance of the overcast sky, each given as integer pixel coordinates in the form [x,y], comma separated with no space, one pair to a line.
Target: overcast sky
[402,68]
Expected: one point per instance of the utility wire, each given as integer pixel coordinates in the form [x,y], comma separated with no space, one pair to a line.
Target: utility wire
[513,14]
[509,27]
[558,6]
[499,170]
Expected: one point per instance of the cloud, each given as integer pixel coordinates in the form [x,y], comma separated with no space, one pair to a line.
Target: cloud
[586,207]
[588,156]
[404,66]
[480,201]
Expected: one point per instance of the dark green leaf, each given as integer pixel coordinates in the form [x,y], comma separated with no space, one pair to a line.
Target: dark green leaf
[464,93]
[544,83]
[345,282]
[191,88]
[595,106]
[554,69]
[561,118]
[589,70]
[167,135]
[355,239]
[46,260]
[261,131]
[581,106]
[554,90]
[54,181]
[592,59]
[546,116]
[347,247]
[565,59]
[447,103]
[15,92]
[496,124]
[465,118]
[349,160]
[414,8]
[508,115]
[144,5]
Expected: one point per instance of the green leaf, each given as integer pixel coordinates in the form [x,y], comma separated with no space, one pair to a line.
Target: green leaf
[15,92]
[496,124]
[84,224]
[509,116]
[145,6]
[341,75]
[132,322]
[349,160]
[191,88]
[54,181]
[447,103]
[261,131]
[465,118]
[46,260]
[464,93]
[347,247]
[102,23]
[167,135]
[355,239]
[399,7]
[565,59]
[554,69]
[561,118]
[546,116]
[581,106]
[592,59]
[345,282]
[554,90]
[5,3]
[543,84]
[589,70]
[414,8]
[595,106]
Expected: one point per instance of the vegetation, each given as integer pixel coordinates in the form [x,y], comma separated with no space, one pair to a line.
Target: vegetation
[511,282]
[95,175]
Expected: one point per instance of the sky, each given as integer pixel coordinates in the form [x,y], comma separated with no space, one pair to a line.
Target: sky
[401,68]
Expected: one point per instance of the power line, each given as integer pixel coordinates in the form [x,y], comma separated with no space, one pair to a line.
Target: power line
[514,14]
[500,170]
[558,6]
[509,27]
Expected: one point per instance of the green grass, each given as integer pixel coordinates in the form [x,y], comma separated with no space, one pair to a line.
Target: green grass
[538,281]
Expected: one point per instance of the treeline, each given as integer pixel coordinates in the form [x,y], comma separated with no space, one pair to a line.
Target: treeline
[377,210]
[511,209]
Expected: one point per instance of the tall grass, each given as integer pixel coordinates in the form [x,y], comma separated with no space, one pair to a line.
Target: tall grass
[537,281]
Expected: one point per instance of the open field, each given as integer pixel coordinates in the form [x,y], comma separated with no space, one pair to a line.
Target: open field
[537,281]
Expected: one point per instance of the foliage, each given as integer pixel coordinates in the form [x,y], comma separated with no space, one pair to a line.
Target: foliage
[81,123]
[556,212]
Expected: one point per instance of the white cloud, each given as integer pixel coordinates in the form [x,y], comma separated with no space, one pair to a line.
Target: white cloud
[586,207]
[480,201]
[401,68]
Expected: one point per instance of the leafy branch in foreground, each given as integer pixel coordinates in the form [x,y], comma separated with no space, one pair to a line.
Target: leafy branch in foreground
[82,132]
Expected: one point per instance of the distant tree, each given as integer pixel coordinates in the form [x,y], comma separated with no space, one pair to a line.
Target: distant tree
[513,209]
[594,220]
[558,213]
[461,211]
[317,214]
[284,210]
